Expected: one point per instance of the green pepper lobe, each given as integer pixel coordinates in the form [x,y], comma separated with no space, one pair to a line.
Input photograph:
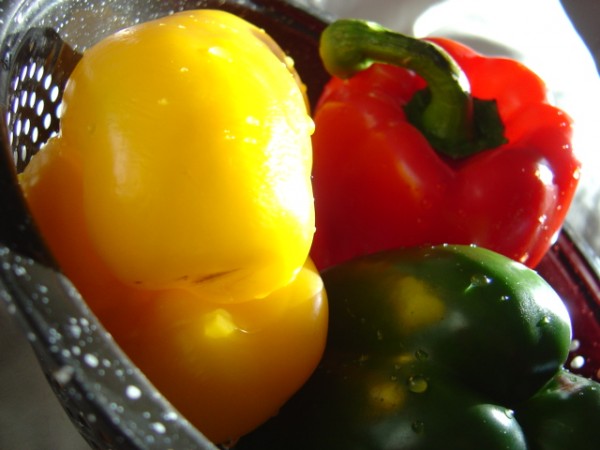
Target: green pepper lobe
[564,415]
[497,324]
[429,348]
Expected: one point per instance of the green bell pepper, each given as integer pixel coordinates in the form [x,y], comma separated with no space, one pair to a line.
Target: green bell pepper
[443,347]
[563,415]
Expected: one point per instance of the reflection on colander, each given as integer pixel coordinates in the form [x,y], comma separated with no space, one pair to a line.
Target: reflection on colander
[39,69]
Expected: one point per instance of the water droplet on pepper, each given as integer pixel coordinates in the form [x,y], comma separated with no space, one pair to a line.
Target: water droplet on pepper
[421,355]
[417,384]
[478,280]
[418,426]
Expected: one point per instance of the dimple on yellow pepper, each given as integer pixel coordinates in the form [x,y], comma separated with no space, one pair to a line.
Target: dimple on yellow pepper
[194,139]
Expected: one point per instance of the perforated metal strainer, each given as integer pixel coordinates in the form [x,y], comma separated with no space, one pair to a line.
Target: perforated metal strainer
[38,70]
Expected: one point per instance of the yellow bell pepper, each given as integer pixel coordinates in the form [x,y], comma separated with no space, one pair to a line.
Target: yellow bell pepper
[227,367]
[177,199]
[194,138]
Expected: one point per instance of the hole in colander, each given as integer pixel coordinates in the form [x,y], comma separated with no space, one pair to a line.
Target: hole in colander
[41,66]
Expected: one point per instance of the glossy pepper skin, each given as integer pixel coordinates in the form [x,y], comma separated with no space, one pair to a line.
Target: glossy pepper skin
[138,144]
[203,356]
[428,348]
[564,414]
[193,135]
[385,176]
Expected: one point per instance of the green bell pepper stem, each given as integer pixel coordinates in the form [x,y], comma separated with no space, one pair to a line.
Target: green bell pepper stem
[455,123]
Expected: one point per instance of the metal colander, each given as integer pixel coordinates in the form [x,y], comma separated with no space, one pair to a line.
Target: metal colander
[39,68]
[107,398]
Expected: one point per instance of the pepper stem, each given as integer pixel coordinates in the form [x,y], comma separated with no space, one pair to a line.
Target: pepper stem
[455,123]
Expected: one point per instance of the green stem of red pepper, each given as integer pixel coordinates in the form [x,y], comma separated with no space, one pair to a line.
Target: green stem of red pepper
[455,123]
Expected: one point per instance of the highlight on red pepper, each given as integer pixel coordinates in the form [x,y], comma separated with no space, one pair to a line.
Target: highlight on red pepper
[428,142]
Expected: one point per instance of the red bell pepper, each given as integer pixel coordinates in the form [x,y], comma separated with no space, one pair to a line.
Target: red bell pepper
[429,142]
